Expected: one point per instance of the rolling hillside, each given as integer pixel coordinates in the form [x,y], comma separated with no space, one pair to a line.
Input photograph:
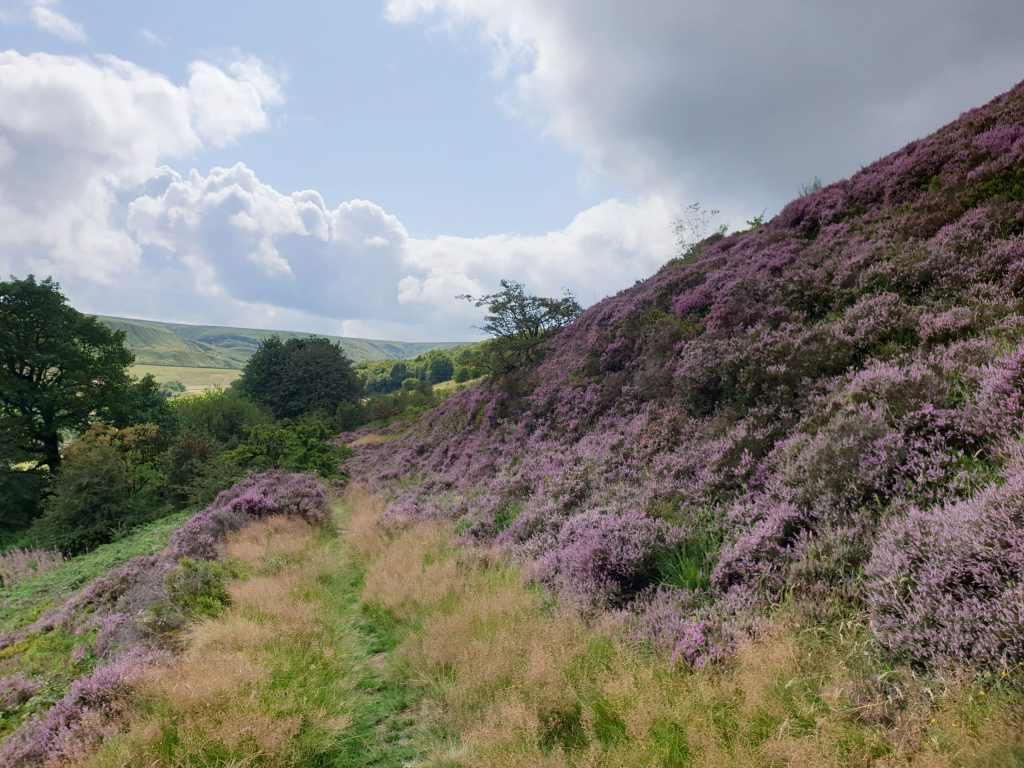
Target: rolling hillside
[210,346]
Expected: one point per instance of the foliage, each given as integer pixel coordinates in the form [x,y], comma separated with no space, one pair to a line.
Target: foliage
[810,396]
[224,416]
[294,446]
[109,482]
[299,376]
[60,368]
[172,388]
[693,227]
[605,558]
[434,367]
[20,564]
[944,582]
[260,495]
[519,325]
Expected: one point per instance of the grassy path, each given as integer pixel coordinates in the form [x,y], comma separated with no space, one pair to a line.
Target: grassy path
[293,673]
[393,647]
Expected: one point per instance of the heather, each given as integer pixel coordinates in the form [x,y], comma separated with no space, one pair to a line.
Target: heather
[829,404]
[68,671]
[20,564]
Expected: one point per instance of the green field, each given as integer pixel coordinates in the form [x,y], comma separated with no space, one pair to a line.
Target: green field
[211,346]
[194,379]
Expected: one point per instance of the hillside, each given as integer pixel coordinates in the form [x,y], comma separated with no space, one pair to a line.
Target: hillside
[208,346]
[821,416]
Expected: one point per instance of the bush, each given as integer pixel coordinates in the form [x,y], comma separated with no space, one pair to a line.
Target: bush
[944,584]
[224,416]
[293,446]
[107,484]
[261,495]
[603,558]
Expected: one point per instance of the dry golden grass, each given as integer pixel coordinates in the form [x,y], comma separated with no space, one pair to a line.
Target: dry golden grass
[234,631]
[205,676]
[412,572]
[525,686]
[361,529]
[216,691]
[279,536]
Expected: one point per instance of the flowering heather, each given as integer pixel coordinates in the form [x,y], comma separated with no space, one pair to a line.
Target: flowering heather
[261,495]
[605,557]
[116,607]
[783,391]
[79,721]
[20,564]
[944,583]
[15,690]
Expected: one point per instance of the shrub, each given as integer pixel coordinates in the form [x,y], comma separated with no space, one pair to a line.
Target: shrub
[260,495]
[224,416]
[87,714]
[292,446]
[107,484]
[944,583]
[90,502]
[19,564]
[603,558]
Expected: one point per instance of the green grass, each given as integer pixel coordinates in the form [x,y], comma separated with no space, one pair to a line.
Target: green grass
[194,379]
[23,602]
[326,673]
[212,346]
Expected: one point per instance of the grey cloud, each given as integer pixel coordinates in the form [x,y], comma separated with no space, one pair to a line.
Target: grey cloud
[739,103]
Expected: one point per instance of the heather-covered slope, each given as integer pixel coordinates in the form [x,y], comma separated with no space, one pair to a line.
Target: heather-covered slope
[825,411]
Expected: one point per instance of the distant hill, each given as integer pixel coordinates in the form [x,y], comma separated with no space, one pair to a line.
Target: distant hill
[211,346]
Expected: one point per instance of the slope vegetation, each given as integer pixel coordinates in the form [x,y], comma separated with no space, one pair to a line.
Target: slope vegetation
[820,417]
[207,346]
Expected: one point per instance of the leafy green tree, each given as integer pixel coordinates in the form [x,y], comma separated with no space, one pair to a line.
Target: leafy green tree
[299,376]
[108,483]
[59,369]
[294,446]
[519,325]
[224,416]
[440,368]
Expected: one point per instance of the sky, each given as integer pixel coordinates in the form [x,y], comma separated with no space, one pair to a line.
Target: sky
[352,167]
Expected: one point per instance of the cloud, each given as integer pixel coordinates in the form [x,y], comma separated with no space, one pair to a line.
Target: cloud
[737,108]
[77,135]
[86,195]
[152,38]
[47,18]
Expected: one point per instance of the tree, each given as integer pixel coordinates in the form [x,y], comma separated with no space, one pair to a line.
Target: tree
[294,446]
[693,227]
[109,483]
[299,376]
[59,369]
[440,369]
[519,325]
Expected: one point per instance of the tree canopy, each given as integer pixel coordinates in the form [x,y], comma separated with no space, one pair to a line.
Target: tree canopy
[299,376]
[59,369]
[519,324]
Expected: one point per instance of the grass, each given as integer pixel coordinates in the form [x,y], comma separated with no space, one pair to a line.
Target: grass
[194,379]
[512,680]
[292,673]
[394,646]
[24,601]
